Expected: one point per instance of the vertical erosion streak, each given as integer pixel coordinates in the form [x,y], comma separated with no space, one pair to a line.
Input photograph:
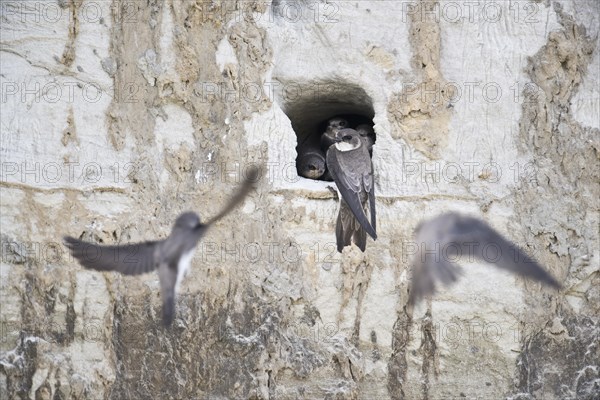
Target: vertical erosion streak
[568,155]
[69,52]
[421,121]
[397,365]
[428,350]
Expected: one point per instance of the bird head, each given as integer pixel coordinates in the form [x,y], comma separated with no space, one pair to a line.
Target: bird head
[365,130]
[188,220]
[337,123]
[367,134]
[311,165]
[347,139]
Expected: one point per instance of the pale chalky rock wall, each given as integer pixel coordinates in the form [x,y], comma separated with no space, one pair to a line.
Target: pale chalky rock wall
[117,116]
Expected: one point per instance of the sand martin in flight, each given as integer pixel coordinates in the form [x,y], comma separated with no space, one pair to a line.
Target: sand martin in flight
[172,256]
[443,239]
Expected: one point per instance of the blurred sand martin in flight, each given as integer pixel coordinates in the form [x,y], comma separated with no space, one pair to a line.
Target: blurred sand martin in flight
[350,166]
[172,256]
[453,234]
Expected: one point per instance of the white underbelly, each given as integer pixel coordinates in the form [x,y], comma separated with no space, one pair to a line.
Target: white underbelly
[184,264]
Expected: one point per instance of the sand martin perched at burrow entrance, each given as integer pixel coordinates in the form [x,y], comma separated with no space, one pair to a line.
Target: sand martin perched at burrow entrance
[350,166]
[333,127]
[442,240]
[172,256]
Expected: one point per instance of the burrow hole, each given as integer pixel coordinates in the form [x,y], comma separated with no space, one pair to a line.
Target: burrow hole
[310,112]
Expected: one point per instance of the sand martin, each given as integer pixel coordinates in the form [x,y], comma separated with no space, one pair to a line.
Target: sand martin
[172,256]
[443,239]
[350,166]
[311,162]
[333,127]
[367,133]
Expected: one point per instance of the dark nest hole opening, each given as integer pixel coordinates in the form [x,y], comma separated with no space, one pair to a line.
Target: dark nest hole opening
[336,106]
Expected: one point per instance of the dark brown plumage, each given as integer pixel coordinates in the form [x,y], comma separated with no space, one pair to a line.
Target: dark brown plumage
[350,166]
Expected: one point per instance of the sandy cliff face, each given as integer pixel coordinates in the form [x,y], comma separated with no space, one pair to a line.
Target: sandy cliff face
[117,116]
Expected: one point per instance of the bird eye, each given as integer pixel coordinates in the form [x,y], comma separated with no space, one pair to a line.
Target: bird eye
[347,137]
[342,123]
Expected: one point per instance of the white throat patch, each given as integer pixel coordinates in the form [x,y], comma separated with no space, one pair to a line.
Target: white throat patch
[345,146]
[184,264]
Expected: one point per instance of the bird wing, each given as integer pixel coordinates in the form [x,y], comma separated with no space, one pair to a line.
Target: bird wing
[353,176]
[370,187]
[252,177]
[453,235]
[499,251]
[129,259]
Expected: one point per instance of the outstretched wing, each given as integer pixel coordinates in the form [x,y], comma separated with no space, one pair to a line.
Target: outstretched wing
[453,235]
[350,176]
[130,259]
[252,177]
